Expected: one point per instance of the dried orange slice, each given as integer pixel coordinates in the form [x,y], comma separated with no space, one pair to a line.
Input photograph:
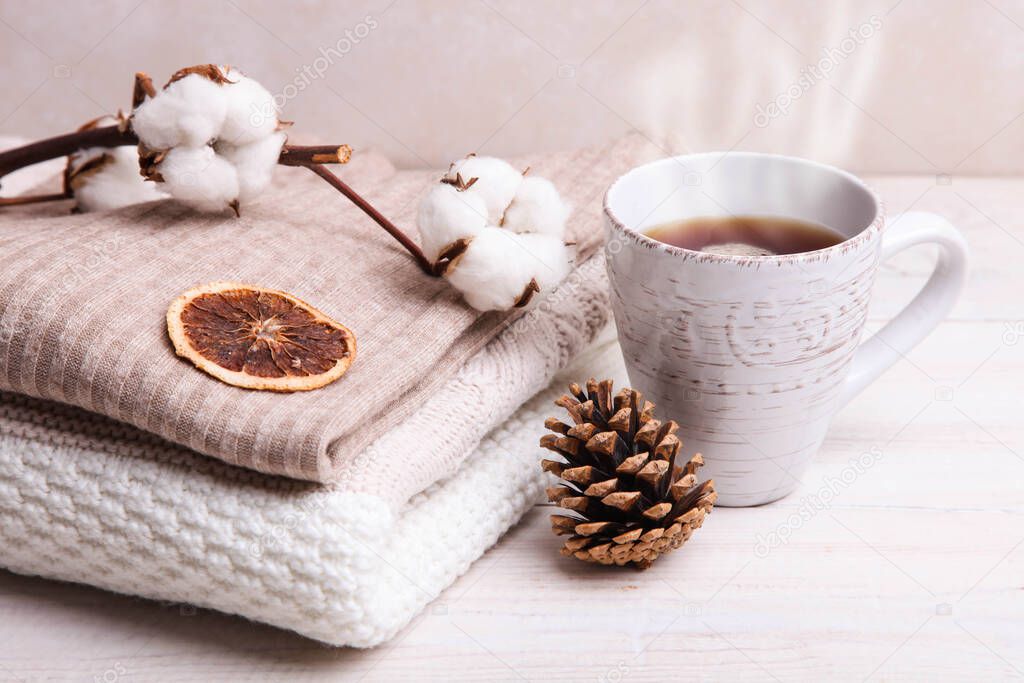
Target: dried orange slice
[259,338]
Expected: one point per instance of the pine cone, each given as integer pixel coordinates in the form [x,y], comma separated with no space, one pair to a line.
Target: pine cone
[620,476]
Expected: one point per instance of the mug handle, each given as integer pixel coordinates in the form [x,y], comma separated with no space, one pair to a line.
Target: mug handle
[931,305]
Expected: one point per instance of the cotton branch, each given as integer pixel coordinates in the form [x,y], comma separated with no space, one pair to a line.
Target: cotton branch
[312,157]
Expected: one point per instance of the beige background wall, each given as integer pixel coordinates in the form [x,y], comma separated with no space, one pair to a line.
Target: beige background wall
[924,85]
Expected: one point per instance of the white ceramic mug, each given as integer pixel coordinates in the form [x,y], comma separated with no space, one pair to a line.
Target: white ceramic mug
[752,356]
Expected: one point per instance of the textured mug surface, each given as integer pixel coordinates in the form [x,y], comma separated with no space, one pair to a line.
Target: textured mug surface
[752,355]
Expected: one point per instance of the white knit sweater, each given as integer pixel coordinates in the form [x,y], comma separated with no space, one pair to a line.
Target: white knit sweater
[86,499]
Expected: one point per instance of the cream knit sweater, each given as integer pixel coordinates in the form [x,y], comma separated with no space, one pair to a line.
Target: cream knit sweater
[88,500]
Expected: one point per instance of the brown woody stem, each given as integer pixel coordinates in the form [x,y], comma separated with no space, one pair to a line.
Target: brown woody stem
[21,200]
[112,136]
[310,156]
[337,183]
[302,155]
[63,145]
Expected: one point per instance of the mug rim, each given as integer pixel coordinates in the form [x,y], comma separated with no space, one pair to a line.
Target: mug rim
[868,232]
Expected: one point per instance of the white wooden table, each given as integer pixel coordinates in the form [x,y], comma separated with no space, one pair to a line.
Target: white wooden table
[913,570]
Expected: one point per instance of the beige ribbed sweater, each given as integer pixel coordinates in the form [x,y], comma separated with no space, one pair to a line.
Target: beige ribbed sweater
[82,303]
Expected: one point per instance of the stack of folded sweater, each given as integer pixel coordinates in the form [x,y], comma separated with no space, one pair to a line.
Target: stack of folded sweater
[338,513]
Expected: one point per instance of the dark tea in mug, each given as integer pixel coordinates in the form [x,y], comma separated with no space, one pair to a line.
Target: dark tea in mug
[745,235]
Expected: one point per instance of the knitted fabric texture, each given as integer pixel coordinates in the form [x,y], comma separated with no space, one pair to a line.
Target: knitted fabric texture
[87,499]
[83,298]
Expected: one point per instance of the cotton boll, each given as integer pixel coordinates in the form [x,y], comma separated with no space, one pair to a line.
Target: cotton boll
[493,271]
[189,111]
[497,182]
[114,184]
[537,207]
[197,176]
[254,163]
[498,265]
[251,111]
[446,215]
[155,121]
[552,260]
[203,108]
